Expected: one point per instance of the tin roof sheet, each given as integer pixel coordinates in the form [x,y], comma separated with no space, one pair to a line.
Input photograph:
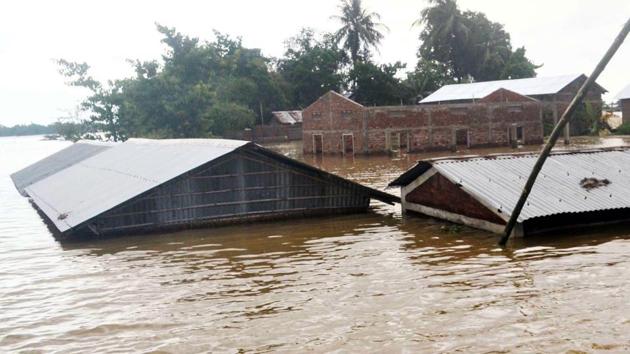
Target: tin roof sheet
[478,90]
[497,181]
[288,117]
[56,162]
[624,94]
[105,180]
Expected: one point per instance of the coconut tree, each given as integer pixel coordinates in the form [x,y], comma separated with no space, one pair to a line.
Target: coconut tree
[360,30]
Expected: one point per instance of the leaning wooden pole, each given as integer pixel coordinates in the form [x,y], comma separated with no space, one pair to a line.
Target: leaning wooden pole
[557,130]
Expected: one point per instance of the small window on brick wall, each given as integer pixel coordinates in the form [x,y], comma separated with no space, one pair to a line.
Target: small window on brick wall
[346,113]
[317,115]
[515,108]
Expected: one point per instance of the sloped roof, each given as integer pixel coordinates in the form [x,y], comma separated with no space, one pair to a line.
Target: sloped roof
[497,180]
[624,94]
[56,162]
[103,181]
[97,184]
[478,90]
[288,117]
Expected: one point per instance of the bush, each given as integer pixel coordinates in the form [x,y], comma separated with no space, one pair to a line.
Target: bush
[623,129]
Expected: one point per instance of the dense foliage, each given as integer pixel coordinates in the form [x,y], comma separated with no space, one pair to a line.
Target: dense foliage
[204,89]
[468,45]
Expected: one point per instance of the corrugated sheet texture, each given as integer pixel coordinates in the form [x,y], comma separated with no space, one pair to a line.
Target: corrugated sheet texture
[103,181]
[56,162]
[288,117]
[624,94]
[499,180]
[478,90]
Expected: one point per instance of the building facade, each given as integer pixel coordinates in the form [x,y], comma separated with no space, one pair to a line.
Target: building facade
[336,124]
[555,93]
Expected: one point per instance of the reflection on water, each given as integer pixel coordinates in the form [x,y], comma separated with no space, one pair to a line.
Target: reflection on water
[373,282]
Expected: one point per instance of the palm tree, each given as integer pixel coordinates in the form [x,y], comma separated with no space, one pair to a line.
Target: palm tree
[359,29]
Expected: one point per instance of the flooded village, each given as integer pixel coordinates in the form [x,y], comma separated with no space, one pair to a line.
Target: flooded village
[222,200]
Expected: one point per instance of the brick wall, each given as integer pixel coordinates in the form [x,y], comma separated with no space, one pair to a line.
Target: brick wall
[420,128]
[268,133]
[625,110]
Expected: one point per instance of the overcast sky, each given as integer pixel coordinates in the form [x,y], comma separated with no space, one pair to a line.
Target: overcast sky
[567,36]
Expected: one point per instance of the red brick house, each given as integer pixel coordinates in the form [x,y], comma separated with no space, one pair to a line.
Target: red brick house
[555,93]
[336,124]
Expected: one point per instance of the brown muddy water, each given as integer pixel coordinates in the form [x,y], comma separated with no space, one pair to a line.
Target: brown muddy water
[376,282]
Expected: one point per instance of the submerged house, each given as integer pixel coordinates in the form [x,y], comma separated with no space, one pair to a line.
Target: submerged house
[337,124]
[145,185]
[574,188]
[554,92]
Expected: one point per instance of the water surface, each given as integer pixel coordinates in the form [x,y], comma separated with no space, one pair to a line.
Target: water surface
[375,282]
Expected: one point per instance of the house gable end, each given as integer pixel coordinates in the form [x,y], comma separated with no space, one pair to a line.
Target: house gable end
[438,192]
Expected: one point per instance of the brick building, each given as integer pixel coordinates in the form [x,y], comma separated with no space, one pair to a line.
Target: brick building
[336,124]
[624,104]
[555,93]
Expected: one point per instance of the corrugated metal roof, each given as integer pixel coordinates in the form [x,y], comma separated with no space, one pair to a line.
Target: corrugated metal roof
[56,162]
[624,94]
[478,90]
[288,117]
[103,181]
[498,181]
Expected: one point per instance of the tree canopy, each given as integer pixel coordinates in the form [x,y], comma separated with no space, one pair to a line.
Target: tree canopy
[468,45]
[360,29]
[211,88]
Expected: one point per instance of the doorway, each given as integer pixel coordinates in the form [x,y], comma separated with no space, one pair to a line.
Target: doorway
[347,142]
[461,137]
[318,143]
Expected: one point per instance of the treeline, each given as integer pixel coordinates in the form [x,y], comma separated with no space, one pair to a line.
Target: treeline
[204,89]
[27,129]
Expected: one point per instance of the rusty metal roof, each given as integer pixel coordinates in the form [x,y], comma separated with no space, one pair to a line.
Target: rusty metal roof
[477,90]
[497,180]
[56,162]
[288,117]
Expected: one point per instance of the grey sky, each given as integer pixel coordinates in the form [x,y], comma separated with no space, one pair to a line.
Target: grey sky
[567,36]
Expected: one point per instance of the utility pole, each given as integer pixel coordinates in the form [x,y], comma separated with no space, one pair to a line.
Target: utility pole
[557,130]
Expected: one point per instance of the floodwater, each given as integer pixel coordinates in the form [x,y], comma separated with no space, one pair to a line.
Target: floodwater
[375,282]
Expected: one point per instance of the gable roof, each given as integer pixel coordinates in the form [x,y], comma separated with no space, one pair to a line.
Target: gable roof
[56,162]
[332,94]
[477,90]
[97,184]
[288,117]
[103,181]
[497,180]
[624,94]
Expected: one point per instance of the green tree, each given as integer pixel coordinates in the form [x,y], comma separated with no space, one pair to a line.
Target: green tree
[360,30]
[378,84]
[310,68]
[199,89]
[469,45]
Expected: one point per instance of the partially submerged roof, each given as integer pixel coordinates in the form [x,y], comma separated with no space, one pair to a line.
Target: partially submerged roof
[103,181]
[477,90]
[497,180]
[288,117]
[624,94]
[97,184]
[56,162]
